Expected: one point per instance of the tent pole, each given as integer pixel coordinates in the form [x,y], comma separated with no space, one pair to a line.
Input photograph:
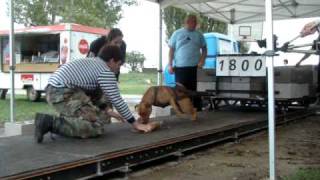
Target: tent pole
[160,47]
[271,103]
[12,62]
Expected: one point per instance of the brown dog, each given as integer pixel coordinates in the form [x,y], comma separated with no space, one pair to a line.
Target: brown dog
[162,96]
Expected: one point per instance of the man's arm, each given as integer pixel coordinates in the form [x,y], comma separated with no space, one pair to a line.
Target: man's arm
[171,55]
[172,46]
[203,50]
[108,84]
[202,57]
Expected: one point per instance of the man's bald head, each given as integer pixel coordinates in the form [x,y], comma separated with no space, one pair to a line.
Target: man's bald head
[191,22]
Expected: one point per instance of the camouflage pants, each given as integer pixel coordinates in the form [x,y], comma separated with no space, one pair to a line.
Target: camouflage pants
[83,114]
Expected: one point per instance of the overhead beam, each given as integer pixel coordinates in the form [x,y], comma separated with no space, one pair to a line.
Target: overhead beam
[228,19]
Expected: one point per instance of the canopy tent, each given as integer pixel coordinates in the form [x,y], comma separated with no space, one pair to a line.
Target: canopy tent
[247,11]
[244,11]
[233,12]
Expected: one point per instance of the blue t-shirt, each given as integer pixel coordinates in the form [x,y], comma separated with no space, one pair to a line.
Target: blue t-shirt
[186,45]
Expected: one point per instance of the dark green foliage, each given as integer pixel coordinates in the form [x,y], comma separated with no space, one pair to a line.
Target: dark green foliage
[135,60]
[174,19]
[98,13]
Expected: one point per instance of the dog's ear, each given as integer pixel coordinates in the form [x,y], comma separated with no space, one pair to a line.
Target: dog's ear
[136,107]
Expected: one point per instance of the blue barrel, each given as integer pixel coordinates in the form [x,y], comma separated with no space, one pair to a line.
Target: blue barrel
[212,47]
[169,79]
[210,63]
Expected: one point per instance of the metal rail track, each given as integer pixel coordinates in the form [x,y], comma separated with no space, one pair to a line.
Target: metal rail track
[124,159]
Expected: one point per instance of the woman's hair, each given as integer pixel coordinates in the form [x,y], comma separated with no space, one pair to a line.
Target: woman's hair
[114,32]
[108,52]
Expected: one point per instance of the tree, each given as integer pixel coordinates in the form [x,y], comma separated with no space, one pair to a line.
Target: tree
[174,19]
[135,60]
[98,13]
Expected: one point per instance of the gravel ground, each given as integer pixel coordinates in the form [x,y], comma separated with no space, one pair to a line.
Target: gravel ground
[297,146]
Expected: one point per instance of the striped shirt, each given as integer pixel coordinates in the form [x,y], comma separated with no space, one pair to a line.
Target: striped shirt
[90,74]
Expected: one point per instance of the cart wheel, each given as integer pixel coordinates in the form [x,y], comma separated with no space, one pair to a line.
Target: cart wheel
[32,94]
[3,93]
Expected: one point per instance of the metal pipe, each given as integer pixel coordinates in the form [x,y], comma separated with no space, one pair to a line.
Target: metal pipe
[160,47]
[302,51]
[301,45]
[271,101]
[69,38]
[294,38]
[12,62]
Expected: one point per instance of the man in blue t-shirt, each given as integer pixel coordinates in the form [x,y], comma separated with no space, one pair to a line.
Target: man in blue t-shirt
[187,53]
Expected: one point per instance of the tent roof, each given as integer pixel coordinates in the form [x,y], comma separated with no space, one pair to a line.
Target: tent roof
[245,11]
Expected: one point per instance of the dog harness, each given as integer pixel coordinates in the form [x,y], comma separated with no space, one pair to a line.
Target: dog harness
[176,97]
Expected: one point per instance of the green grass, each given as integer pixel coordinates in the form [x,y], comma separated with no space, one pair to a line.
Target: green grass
[305,174]
[25,110]
[136,83]
[131,83]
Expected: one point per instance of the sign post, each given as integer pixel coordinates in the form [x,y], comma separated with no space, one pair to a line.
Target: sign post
[12,62]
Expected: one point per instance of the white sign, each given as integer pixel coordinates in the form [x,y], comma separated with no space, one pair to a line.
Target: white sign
[241,66]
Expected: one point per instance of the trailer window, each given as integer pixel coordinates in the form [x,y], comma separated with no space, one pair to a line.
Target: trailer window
[33,48]
[40,48]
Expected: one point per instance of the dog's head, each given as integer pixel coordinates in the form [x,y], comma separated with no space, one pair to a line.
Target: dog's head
[144,111]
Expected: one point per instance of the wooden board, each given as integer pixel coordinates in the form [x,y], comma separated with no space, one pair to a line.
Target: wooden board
[33,68]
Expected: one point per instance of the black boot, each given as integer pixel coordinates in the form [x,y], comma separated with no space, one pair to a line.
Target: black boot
[43,124]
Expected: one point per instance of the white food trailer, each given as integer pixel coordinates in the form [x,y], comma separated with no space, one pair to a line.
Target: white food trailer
[39,51]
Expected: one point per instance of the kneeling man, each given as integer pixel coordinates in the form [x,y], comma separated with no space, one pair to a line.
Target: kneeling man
[79,92]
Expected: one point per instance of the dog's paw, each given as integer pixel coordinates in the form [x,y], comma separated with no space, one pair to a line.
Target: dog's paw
[194,116]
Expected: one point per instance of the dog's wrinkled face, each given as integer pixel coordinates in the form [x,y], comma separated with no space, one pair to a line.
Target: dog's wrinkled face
[144,112]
